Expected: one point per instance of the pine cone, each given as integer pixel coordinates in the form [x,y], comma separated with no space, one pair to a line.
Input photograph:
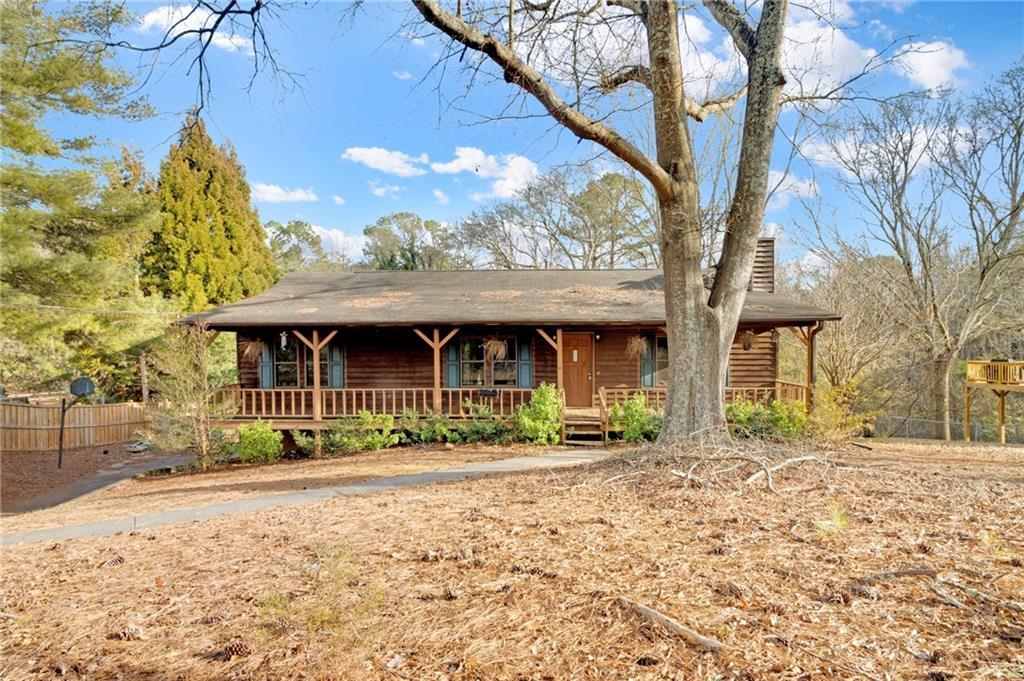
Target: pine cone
[236,649]
[112,562]
[130,633]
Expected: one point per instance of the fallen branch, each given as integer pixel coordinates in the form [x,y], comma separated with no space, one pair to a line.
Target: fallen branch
[779,466]
[690,477]
[896,574]
[945,597]
[974,593]
[673,626]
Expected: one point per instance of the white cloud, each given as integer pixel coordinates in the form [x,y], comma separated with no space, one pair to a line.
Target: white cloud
[272,193]
[510,173]
[387,161]
[441,197]
[337,240]
[784,188]
[384,190]
[338,200]
[817,57]
[932,64]
[413,38]
[181,18]
[401,75]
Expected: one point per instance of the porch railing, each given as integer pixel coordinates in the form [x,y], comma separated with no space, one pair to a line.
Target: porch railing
[998,373]
[297,403]
[607,398]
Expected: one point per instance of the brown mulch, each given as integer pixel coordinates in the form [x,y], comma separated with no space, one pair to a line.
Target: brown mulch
[26,475]
[150,494]
[874,567]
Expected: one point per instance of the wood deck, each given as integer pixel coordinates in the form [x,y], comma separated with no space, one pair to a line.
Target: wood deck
[1001,378]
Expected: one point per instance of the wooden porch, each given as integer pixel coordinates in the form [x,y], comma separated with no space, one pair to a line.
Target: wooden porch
[1002,378]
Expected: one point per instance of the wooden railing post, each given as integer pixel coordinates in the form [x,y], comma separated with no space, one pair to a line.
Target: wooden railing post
[560,375]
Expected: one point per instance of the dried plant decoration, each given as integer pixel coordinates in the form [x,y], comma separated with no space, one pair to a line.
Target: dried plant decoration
[747,338]
[495,349]
[250,349]
[637,347]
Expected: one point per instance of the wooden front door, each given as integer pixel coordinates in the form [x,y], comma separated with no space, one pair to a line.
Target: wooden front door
[578,368]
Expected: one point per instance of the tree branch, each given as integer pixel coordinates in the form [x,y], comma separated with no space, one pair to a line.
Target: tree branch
[699,112]
[729,18]
[529,79]
[628,74]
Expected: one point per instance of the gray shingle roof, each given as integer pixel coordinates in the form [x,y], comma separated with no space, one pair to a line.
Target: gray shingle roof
[478,297]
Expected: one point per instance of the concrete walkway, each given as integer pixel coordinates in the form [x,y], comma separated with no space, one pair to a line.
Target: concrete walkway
[101,479]
[110,526]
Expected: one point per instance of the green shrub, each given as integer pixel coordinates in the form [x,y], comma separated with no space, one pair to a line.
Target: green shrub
[258,442]
[540,421]
[307,444]
[774,419]
[483,425]
[432,427]
[635,419]
[364,432]
[834,418]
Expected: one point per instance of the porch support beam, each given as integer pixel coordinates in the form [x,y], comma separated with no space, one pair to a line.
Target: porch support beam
[315,346]
[436,343]
[560,376]
[309,344]
[550,341]
[807,336]
[211,336]
[1001,394]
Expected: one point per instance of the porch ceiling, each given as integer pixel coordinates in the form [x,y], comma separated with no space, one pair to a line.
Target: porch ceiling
[480,297]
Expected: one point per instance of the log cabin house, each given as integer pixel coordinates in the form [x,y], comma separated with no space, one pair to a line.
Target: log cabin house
[428,341]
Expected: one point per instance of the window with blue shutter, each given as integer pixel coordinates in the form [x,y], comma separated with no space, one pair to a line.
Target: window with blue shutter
[266,366]
[525,364]
[647,364]
[451,373]
[337,366]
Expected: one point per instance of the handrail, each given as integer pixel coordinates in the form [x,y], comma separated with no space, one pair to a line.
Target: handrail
[998,373]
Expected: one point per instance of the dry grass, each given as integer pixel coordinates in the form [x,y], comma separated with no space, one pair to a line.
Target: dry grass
[519,577]
[151,494]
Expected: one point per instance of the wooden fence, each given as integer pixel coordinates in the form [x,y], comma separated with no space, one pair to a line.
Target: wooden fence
[36,428]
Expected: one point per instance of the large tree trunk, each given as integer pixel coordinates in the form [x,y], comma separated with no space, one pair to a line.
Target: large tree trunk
[941,371]
[697,367]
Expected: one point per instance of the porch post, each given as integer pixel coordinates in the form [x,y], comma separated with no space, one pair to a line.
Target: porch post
[437,369]
[1002,416]
[317,406]
[809,389]
[560,375]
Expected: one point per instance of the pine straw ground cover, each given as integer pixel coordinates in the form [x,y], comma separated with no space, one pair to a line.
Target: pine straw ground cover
[149,494]
[853,570]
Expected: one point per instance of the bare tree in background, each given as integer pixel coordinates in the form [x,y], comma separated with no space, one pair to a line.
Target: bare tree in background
[941,186]
[566,218]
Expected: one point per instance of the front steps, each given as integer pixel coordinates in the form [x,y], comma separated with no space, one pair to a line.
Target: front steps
[583,430]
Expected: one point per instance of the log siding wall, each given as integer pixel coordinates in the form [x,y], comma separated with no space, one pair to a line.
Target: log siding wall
[395,357]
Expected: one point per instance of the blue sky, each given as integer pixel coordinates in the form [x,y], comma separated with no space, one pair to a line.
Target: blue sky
[369,129]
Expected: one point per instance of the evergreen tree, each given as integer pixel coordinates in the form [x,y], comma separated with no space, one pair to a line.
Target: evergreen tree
[210,247]
[62,262]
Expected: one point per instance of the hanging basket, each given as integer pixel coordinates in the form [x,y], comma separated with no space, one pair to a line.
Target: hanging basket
[637,347]
[495,349]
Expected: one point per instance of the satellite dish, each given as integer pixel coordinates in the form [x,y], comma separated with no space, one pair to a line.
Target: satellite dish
[82,386]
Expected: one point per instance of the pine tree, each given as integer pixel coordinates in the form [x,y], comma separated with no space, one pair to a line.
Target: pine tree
[62,229]
[210,247]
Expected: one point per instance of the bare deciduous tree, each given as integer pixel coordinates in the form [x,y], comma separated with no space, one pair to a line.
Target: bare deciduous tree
[941,187]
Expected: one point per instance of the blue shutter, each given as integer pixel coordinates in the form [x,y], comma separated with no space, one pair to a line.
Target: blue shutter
[451,373]
[266,366]
[525,363]
[336,366]
[647,364]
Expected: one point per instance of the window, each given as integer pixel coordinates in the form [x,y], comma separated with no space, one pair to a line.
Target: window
[286,364]
[330,367]
[660,360]
[477,372]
